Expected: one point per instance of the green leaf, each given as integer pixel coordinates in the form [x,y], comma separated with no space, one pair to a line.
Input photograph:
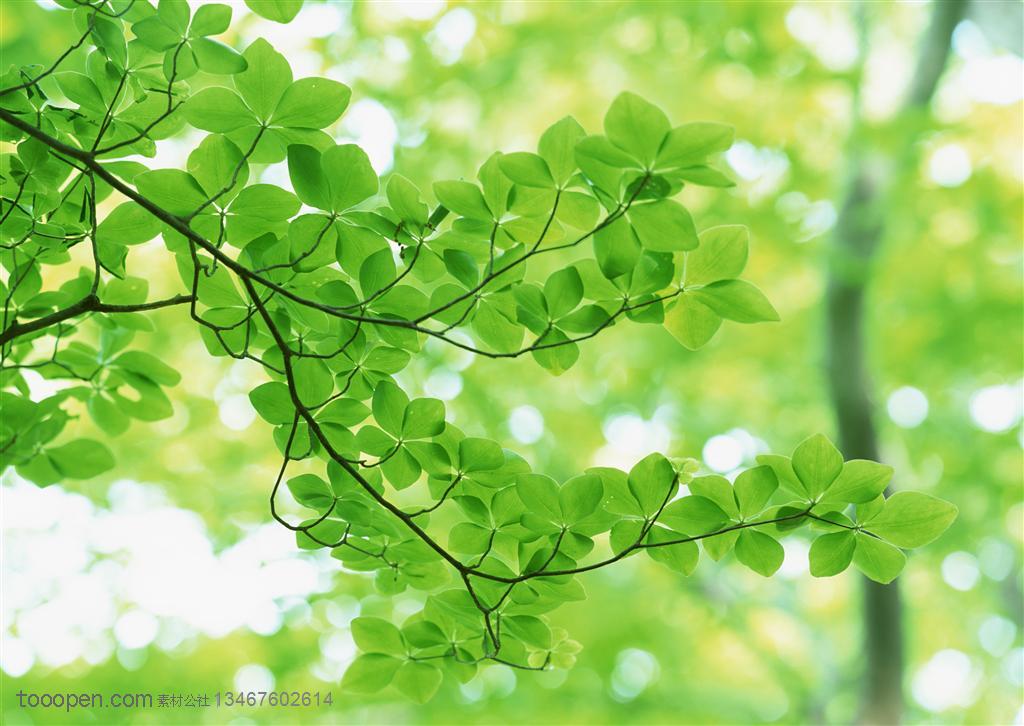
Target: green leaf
[312,103]
[540,496]
[737,300]
[663,226]
[148,365]
[691,322]
[722,255]
[175,13]
[759,552]
[832,553]
[912,519]
[273,403]
[563,291]
[211,19]
[128,224]
[681,557]
[753,488]
[418,681]
[558,148]
[717,489]
[463,198]
[580,497]
[636,126]
[529,629]
[265,202]
[859,482]
[81,89]
[375,635]
[311,491]
[817,463]
[154,33]
[691,143]
[280,11]
[81,459]
[526,169]
[877,559]
[217,109]
[217,164]
[389,404]
[174,190]
[404,198]
[652,482]
[496,329]
[616,248]
[377,272]
[469,538]
[694,515]
[480,455]
[370,672]
[423,417]
[265,80]
[307,176]
[313,381]
[350,176]
[215,57]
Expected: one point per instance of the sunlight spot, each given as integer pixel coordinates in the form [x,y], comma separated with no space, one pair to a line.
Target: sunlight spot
[996,558]
[949,165]
[443,384]
[415,9]
[254,677]
[947,680]
[236,412]
[136,629]
[526,424]
[15,656]
[960,571]
[907,407]
[370,125]
[722,453]
[451,34]
[635,670]
[996,408]
[996,635]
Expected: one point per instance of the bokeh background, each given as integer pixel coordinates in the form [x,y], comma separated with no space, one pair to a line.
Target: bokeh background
[168,577]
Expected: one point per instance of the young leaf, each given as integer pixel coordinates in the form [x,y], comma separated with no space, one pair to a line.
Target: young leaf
[418,681]
[912,519]
[526,169]
[859,482]
[691,143]
[691,322]
[636,126]
[563,291]
[616,248]
[737,300]
[652,481]
[370,673]
[722,255]
[313,103]
[832,553]
[759,552]
[878,559]
[580,497]
[375,635]
[81,459]
[817,463]
[753,488]
[558,148]
[663,226]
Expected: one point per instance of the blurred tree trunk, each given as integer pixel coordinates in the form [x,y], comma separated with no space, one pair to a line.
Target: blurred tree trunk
[858,230]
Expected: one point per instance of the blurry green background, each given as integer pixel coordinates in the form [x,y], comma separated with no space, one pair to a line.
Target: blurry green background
[167,576]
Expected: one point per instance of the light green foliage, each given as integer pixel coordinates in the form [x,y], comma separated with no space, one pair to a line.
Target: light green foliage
[334,303]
